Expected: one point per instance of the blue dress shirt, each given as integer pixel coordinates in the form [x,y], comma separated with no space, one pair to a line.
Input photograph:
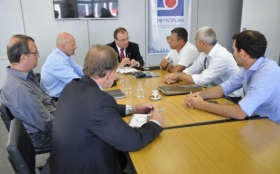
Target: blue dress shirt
[261,88]
[57,71]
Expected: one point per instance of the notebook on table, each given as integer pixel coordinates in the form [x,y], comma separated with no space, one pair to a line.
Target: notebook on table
[179,89]
[116,93]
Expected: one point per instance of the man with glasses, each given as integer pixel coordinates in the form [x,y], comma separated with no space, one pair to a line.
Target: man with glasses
[59,68]
[22,94]
[214,65]
[128,52]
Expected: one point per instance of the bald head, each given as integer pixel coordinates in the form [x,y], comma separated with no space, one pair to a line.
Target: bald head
[66,43]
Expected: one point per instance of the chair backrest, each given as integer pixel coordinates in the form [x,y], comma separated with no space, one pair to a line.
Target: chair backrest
[20,149]
[6,116]
[38,77]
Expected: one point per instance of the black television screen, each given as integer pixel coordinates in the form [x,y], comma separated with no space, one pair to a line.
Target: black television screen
[85,9]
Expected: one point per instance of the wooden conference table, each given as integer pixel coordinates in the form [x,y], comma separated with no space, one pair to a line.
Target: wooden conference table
[195,141]
[176,112]
[247,146]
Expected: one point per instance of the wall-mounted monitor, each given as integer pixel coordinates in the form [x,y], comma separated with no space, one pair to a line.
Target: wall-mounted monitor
[85,9]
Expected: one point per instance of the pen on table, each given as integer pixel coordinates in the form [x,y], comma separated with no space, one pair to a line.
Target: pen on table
[160,110]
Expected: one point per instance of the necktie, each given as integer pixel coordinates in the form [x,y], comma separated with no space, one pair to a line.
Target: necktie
[122,54]
[205,60]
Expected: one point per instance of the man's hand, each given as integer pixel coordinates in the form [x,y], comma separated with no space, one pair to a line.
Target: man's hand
[133,63]
[125,61]
[157,116]
[143,109]
[193,100]
[171,78]
[164,63]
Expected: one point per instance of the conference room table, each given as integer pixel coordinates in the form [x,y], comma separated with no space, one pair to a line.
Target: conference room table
[176,112]
[243,147]
[194,141]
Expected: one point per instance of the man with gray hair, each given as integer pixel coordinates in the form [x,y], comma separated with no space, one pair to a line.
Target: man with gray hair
[89,134]
[214,65]
[59,68]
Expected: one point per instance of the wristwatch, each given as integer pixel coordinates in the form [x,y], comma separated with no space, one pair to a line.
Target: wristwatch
[130,110]
[179,74]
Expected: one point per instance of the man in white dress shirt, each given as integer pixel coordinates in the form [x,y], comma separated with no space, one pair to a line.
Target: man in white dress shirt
[214,65]
[182,53]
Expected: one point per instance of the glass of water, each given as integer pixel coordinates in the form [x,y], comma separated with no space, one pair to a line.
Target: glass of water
[140,89]
[121,71]
[147,67]
[127,86]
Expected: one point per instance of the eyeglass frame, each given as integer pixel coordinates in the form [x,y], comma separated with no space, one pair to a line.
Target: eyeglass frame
[36,52]
[123,40]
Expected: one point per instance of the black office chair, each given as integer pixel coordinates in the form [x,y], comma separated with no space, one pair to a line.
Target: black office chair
[7,117]
[20,149]
[38,77]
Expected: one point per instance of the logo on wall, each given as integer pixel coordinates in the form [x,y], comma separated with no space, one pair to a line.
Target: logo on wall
[170,7]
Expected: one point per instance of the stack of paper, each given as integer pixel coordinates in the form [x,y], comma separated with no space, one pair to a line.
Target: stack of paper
[137,120]
[126,70]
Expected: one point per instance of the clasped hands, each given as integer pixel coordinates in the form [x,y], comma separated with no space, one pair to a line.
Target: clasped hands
[127,61]
[171,78]
[193,100]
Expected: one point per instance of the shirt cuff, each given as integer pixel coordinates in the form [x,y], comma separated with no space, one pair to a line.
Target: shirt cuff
[155,122]
[195,78]
[138,64]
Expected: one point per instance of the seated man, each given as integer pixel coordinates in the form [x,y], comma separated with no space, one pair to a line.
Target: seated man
[128,52]
[182,53]
[213,66]
[59,68]
[257,77]
[89,129]
[22,94]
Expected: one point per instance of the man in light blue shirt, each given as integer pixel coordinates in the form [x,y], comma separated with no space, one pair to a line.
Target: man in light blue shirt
[59,68]
[257,77]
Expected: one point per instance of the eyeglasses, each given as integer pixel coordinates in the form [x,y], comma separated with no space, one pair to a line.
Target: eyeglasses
[36,52]
[123,40]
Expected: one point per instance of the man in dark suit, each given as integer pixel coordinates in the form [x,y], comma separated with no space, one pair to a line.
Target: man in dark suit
[88,132]
[128,52]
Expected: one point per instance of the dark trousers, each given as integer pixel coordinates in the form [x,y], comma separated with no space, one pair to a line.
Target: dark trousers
[40,139]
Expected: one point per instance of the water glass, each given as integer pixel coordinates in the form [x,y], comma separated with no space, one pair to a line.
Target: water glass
[140,90]
[127,86]
[147,67]
[121,71]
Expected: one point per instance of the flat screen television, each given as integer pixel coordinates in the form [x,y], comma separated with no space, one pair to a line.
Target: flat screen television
[85,9]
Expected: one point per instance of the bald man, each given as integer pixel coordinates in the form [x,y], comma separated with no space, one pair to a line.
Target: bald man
[59,68]
[22,94]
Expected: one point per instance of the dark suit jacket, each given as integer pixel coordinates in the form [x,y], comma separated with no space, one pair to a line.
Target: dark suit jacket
[132,51]
[88,128]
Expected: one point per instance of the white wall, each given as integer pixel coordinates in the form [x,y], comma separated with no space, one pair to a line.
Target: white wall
[38,22]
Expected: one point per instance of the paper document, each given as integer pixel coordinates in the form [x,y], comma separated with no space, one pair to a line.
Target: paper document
[137,120]
[126,70]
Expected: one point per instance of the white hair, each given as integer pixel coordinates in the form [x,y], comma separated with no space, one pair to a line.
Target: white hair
[207,34]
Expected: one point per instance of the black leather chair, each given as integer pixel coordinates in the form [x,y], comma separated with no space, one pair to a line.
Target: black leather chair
[20,149]
[38,77]
[7,117]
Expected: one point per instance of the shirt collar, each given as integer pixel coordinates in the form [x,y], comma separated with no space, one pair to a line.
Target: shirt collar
[119,48]
[257,63]
[213,50]
[20,74]
[61,53]
[183,47]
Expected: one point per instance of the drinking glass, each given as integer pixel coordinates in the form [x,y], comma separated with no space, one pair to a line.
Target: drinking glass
[121,71]
[127,86]
[140,90]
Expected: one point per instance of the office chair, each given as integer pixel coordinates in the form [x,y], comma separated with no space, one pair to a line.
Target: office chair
[7,117]
[20,149]
[38,77]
